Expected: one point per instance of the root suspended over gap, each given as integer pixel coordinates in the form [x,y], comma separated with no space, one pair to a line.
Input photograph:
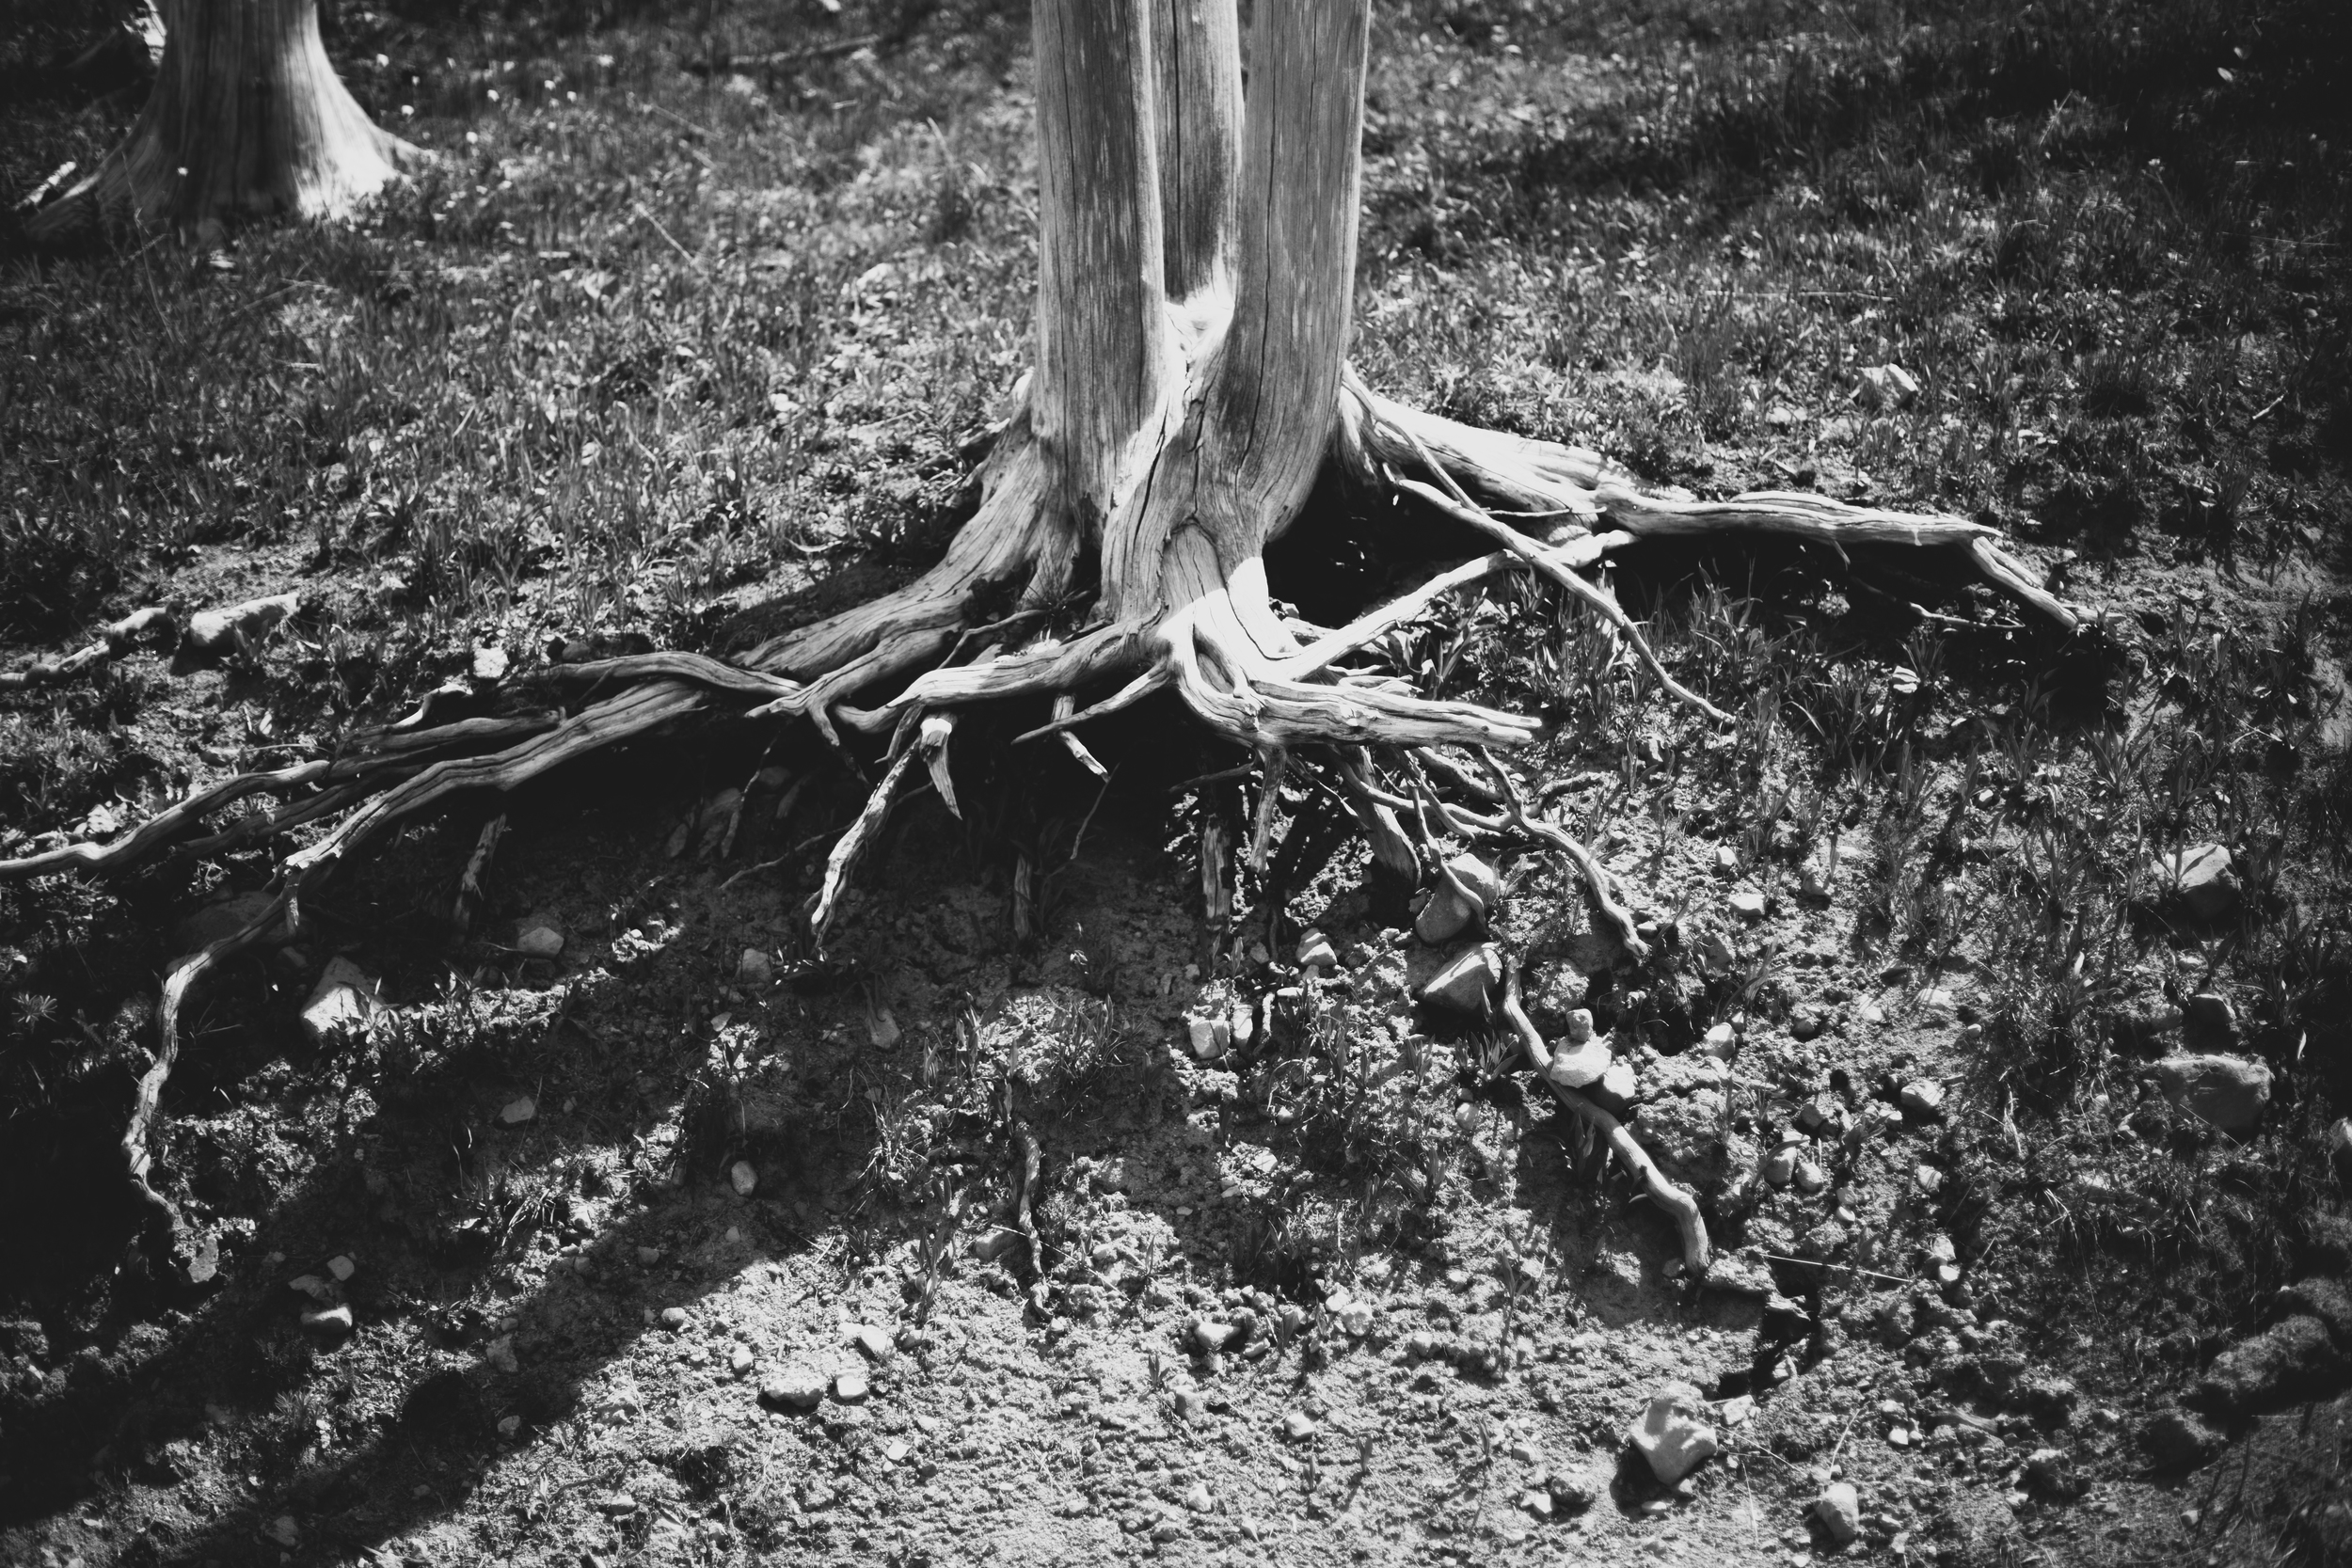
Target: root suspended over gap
[1196,270]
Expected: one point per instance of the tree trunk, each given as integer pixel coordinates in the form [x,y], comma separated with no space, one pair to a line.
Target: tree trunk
[1197,252]
[246,120]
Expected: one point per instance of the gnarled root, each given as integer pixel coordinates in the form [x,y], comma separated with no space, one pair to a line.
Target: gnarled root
[1677,1201]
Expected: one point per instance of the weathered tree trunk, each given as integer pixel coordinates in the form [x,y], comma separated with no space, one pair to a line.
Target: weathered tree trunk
[246,120]
[1197,252]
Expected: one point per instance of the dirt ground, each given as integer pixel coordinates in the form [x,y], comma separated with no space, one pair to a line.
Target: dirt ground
[622,1229]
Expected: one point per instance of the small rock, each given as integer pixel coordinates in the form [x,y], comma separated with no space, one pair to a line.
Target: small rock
[1722,1042]
[754,968]
[674,1318]
[1581,1066]
[1537,1502]
[874,1341]
[340,1004]
[1810,1177]
[850,1386]
[1736,1410]
[883,1030]
[1467,985]
[490,665]
[1923,1097]
[2051,1472]
[1315,952]
[745,1178]
[2178,1440]
[740,1360]
[1356,1318]
[519,1110]
[1805,1023]
[1747,904]
[2211,1020]
[1577,1027]
[1671,1438]
[2203,878]
[540,941]
[1887,386]
[2230,1092]
[1299,1426]
[283,1530]
[617,1505]
[1780,1167]
[794,1388]
[1448,913]
[509,1426]
[1212,1335]
[1197,1499]
[1619,1083]
[500,1353]
[1839,1509]
[327,1322]
[1209,1036]
[1571,1494]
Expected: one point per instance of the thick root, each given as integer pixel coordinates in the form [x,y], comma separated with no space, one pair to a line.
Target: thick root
[1677,1201]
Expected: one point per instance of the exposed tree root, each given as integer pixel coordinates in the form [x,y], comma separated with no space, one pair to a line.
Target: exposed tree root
[155,623]
[1677,1201]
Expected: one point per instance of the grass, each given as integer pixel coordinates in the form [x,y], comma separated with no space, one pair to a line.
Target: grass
[657,344]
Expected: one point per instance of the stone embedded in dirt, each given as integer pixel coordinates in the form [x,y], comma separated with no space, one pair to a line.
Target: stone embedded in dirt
[1619,1083]
[674,1318]
[1780,1167]
[540,941]
[500,1353]
[1356,1318]
[1212,1336]
[1316,951]
[1581,1066]
[341,1004]
[1923,1097]
[1467,985]
[1210,1036]
[740,1360]
[1887,386]
[754,968]
[490,665]
[882,1029]
[1299,1426]
[1671,1438]
[1839,1509]
[2228,1092]
[1537,1502]
[1747,904]
[2211,1020]
[874,1341]
[2178,1440]
[283,1530]
[519,1110]
[1572,1493]
[745,1178]
[327,1322]
[2203,878]
[313,1286]
[1198,1497]
[2051,1472]
[794,1388]
[1805,1023]
[850,1386]
[617,1505]
[2290,1360]
[341,1267]
[1447,914]
[1810,1177]
[1722,1042]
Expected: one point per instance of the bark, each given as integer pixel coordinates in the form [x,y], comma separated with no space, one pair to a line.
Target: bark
[247,120]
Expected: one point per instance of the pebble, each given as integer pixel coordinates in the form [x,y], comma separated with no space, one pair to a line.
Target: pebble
[1356,1318]
[500,1353]
[850,1386]
[327,1322]
[794,1388]
[519,1110]
[874,1341]
[2203,878]
[740,1360]
[341,1267]
[489,664]
[1927,1177]
[540,941]
[2230,1092]
[1447,914]
[1467,985]
[1722,1042]
[341,1004]
[1810,1177]
[1923,1097]
[1299,1426]
[745,1178]
[674,1318]
[510,1425]
[1197,1499]
[1671,1438]
[1780,1167]
[1212,1336]
[754,968]
[1315,952]
[1209,1036]
[616,1504]
[1620,1082]
[283,1530]
[1839,1509]
[1747,904]
[1580,1065]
